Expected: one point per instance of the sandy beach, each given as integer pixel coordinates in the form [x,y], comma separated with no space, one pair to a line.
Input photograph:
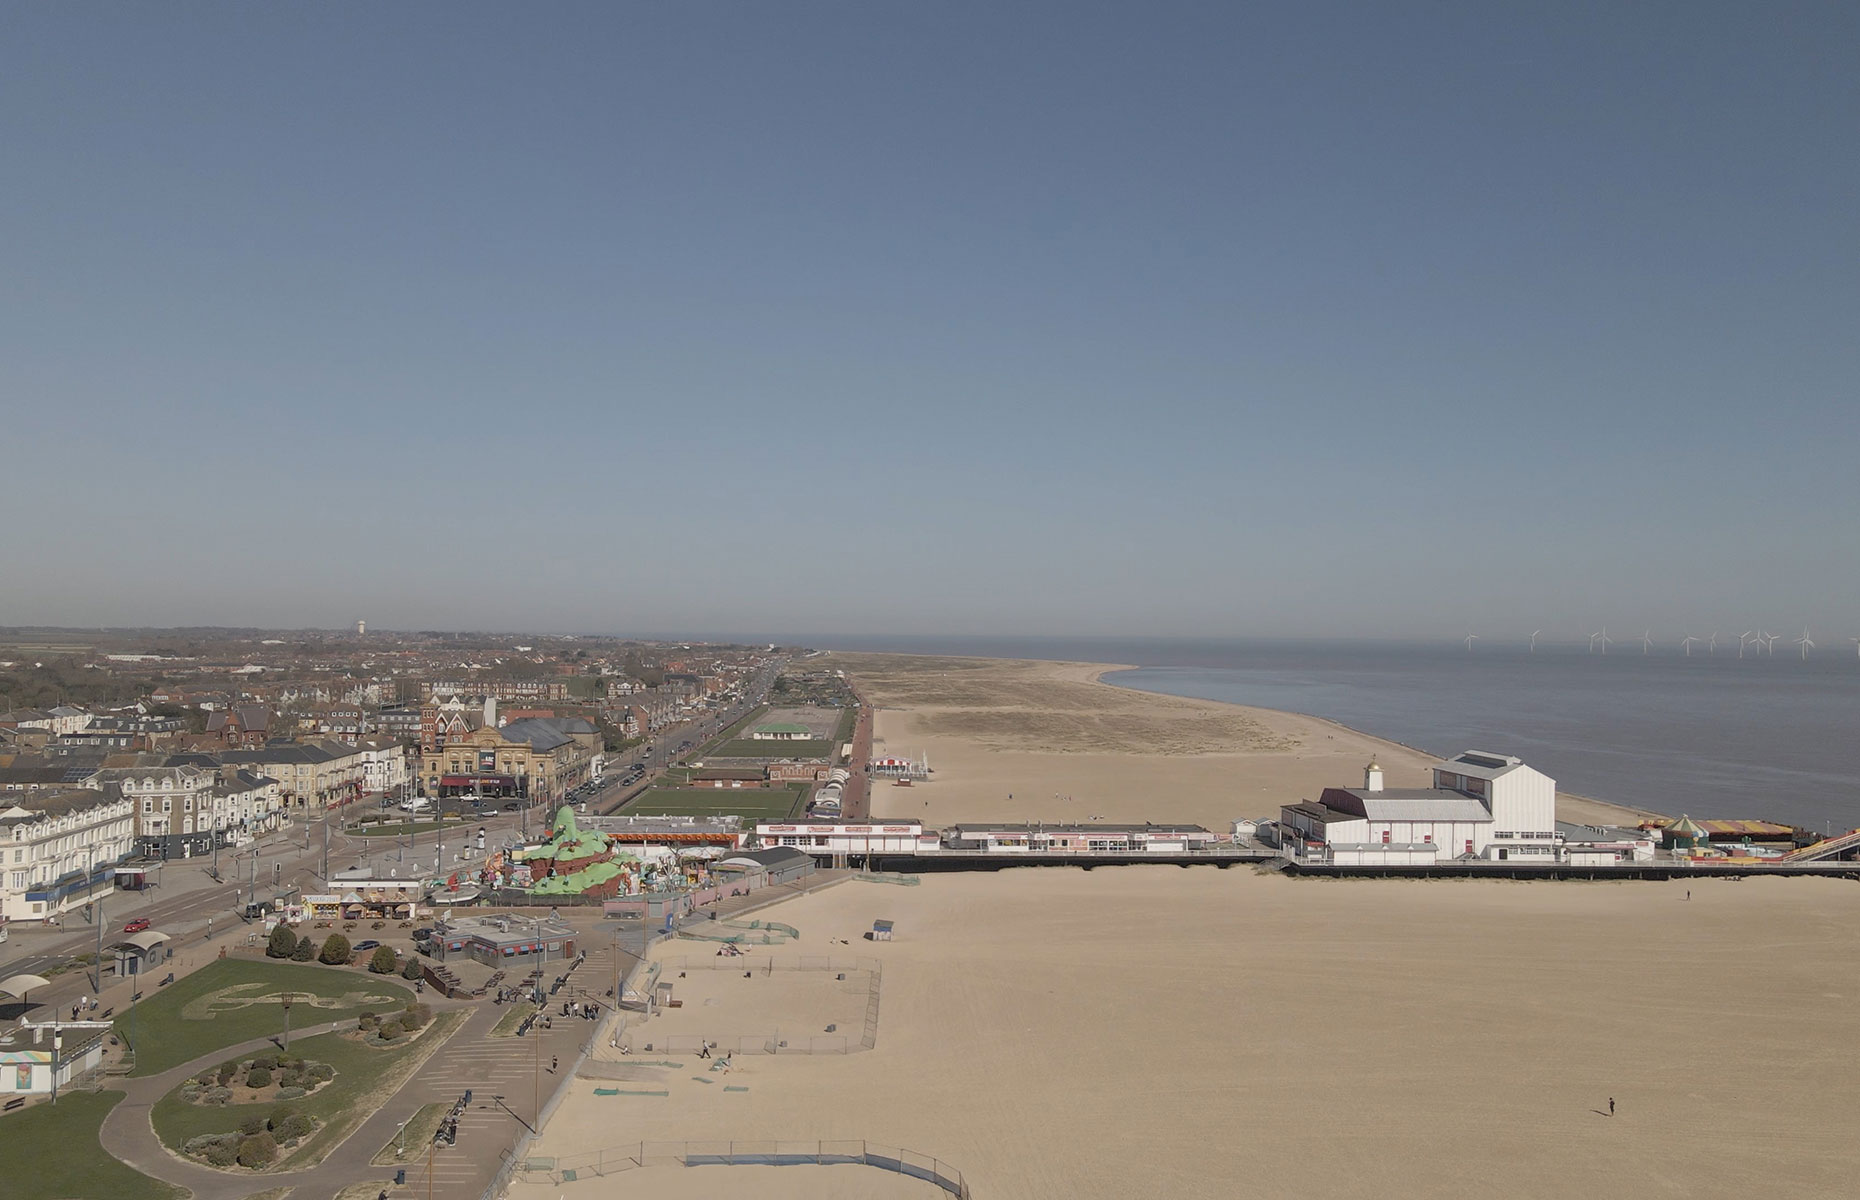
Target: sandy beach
[1200,1032]
[1024,740]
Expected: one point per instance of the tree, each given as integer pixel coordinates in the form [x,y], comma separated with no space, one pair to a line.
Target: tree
[336,951]
[283,942]
[306,950]
[384,961]
[411,970]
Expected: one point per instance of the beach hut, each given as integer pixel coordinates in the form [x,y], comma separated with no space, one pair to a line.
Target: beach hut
[881,932]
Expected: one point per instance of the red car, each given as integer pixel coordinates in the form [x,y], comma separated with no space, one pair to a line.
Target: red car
[137,925]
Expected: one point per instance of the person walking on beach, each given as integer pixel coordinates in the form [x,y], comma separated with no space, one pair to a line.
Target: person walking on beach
[553,1060]
[1611,1106]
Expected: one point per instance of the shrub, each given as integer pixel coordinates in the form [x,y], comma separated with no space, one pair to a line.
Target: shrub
[291,1093]
[227,1071]
[206,1078]
[221,1154]
[268,1061]
[411,970]
[411,1020]
[306,950]
[297,1125]
[367,1020]
[321,1072]
[200,1144]
[388,1031]
[336,951]
[218,1095]
[252,1125]
[291,1079]
[383,961]
[258,1077]
[258,1151]
[279,1116]
[282,943]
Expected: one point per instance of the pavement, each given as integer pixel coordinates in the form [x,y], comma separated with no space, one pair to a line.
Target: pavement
[512,1080]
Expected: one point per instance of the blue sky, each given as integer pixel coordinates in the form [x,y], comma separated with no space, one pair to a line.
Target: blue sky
[1205,319]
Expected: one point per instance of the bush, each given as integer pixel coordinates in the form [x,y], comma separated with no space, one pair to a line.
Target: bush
[367,1020]
[191,1092]
[411,970]
[268,1061]
[412,1019]
[218,1095]
[321,1072]
[252,1125]
[206,1078]
[227,1071]
[279,1116]
[295,1126]
[282,943]
[221,1154]
[384,961]
[291,1093]
[258,1151]
[258,1077]
[388,1031]
[291,1079]
[200,1145]
[336,951]
[306,950]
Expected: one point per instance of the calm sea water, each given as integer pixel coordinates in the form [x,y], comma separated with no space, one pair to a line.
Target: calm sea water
[1713,736]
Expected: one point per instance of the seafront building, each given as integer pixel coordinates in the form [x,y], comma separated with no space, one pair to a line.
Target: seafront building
[1482,805]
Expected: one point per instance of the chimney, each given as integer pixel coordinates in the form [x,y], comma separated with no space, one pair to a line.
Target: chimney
[490,712]
[1372,777]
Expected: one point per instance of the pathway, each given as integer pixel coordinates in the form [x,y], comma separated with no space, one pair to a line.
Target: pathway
[510,1079]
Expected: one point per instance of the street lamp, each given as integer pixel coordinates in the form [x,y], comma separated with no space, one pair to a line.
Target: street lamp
[286,1001]
[58,1041]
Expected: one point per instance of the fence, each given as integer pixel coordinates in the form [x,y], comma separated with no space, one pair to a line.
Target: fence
[889,877]
[768,1043]
[742,933]
[763,1154]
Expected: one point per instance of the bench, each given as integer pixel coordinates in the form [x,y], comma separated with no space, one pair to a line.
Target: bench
[166,979]
[18,1102]
[106,1014]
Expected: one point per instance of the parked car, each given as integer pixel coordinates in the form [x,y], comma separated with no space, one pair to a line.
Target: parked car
[136,925]
[513,806]
[368,944]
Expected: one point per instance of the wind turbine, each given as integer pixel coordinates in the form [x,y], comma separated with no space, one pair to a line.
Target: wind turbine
[1686,644]
[1769,642]
[1743,638]
[1646,642]
[1714,643]
[1470,639]
[1602,637]
[1805,643]
[1534,634]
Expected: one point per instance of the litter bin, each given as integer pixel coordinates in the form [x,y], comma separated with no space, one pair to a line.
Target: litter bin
[400,1177]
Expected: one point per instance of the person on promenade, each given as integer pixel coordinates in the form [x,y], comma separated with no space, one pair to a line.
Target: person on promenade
[553,1061]
[1611,1106]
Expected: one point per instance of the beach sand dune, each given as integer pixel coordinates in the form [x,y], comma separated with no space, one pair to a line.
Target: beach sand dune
[1025,740]
[1199,1032]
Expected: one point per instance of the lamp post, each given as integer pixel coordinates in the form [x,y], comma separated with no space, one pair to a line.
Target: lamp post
[286,1001]
[58,1041]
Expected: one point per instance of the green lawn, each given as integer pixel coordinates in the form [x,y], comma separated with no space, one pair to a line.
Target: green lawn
[214,1007]
[767,804]
[740,729]
[366,1076]
[50,1152]
[842,733]
[752,748]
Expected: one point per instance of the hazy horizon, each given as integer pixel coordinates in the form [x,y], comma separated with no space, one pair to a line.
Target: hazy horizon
[1323,320]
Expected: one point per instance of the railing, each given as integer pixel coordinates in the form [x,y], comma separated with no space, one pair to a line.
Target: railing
[749,1153]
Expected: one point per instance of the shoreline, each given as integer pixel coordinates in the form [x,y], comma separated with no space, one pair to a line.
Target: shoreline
[1051,740]
[1629,814]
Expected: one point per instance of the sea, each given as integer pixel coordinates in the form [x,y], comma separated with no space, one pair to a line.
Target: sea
[1710,735]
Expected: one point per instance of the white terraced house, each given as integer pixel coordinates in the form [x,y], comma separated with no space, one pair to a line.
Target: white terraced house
[56,847]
